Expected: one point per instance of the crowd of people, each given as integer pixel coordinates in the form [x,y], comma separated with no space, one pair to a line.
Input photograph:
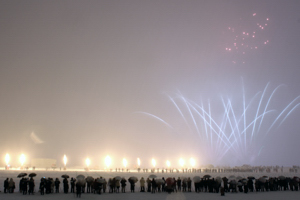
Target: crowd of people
[152,184]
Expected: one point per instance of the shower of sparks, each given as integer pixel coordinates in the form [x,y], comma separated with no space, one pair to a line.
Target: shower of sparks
[245,37]
[240,130]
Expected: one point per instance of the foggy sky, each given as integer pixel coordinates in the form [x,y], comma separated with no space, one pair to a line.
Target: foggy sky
[78,74]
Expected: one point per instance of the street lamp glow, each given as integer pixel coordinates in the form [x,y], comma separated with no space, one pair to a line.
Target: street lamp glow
[65,160]
[153,162]
[193,162]
[168,164]
[181,162]
[107,161]
[124,162]
[139,162]
[87,162]
[22,159]
[7,159]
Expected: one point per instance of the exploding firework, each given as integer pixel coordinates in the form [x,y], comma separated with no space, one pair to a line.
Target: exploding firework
[239,129]
[245,37]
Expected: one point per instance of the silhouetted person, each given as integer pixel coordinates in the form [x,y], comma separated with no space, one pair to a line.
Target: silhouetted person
[78,189]
[66,186]
[57,182]
[153,184]
[123,184]
[31,186]
[5,185]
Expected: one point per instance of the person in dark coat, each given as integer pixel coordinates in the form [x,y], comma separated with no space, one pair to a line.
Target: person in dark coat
[73,181]
[78,189]
[153,184]
[123,185]
[132,185]
[179,184]
[57,182]
[31,186]
[163,185]
[42,186]
[66,186]
[189,184]
[24,186]
[5,185]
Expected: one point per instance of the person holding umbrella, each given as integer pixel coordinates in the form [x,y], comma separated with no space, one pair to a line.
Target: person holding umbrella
[66,185]
[31,186]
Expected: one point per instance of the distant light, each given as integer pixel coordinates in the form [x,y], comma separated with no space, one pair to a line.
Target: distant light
[22,159]
[107,161]
[168,163]
[181,162]
[65,160]
[7,159]
[193,162]
[139,162]
[153,162]
[87,162]
[124,162]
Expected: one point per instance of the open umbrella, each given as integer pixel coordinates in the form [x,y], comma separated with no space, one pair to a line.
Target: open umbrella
[159,181]
[218,179]
[100,180]
[197,179]
[118,178]
[133,178]
[32,175]
[152,176]
[169,181]
[65,176]
[206,176]
[81,179]
[281,177]
[262,179]
[251,177]
[89,179]
[225,178]
[21,175]
[231,177]
[239,178]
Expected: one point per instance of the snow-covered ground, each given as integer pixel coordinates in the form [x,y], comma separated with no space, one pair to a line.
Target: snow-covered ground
[291,195]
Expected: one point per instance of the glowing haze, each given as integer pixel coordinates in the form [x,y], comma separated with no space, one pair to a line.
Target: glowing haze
[168,80]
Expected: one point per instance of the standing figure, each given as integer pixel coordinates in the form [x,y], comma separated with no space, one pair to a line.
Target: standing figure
[42,186]
[31,186]
[189,184]
[66,186]
[73,180]
[11,186]
[5,185]
[123,185]
[57,182]
[153,184]
[78,189]
[142,184]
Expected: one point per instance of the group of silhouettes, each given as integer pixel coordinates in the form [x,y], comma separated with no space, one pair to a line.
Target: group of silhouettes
[153,185]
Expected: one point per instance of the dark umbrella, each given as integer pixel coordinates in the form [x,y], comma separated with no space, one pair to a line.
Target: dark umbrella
[197,179]
[21,175]
[65,176]
[281,177]
[32,175]
[225,179]
[133,178]
[169,181]
[89,179]
[251,177]
[206,176]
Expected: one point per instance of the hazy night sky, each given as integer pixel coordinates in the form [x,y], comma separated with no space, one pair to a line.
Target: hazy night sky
[79,74]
